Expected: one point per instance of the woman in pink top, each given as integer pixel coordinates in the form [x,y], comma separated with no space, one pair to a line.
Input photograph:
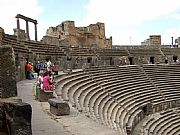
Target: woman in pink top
[46,82]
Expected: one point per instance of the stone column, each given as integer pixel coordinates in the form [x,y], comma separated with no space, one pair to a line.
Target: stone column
[35,26]
[1,35]
[18,24]
[27,30]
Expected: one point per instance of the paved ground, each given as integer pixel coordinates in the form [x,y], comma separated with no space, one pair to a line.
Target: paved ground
[44,123]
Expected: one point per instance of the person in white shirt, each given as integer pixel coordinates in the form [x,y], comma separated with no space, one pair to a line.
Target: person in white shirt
[40,80]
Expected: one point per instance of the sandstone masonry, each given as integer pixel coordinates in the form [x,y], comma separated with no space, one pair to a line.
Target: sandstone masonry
[90,36]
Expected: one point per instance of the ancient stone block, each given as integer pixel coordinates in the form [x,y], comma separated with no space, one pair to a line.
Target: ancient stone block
[18,118]
[2,119]
[43,96]
[20,34]
[59,107]
[7,72]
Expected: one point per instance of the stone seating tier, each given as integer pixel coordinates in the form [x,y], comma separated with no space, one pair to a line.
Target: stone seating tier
[113,95]
[167,51]
[166,122]
[161,77]
[144,51]
[112,52]
[17,47]
[35,47]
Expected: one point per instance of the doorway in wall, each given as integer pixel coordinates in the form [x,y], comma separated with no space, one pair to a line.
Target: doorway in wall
[175,58]
[131,62]
[152,60]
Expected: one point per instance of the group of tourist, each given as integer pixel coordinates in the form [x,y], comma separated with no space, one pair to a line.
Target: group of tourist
[32,71]
[45,80]
[45,74]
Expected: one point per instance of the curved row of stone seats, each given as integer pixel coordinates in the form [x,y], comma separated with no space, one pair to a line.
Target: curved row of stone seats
[31,46]
[100,97]
[170,51]
[17,46]
[46,49]
[91,104]
[79,51]
[64,82]
[111,52]
[76,90]
[157,97]
[145,51]
[100,113]
[69,90]
[92,95]
[129,90]
[115,96]
[166,78]
[166,122]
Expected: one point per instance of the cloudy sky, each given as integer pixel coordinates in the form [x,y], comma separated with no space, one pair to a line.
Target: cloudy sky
[127,21]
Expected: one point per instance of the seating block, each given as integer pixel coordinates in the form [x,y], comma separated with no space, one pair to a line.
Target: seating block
[43,96]
[59,107]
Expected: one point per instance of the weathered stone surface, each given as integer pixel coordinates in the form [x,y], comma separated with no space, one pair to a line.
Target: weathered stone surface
[44,96]
[59,107]
[18,117]
[20,34]
[7,72]
[1,34]
[2,119]
[94,34]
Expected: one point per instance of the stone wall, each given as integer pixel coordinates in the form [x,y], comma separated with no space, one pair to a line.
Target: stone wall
[15,116]
[20,34]
[7,72]
[155,39]
[152,40]
[94,34]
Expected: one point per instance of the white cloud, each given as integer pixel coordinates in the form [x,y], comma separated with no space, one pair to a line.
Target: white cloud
[117,14]
[10,8]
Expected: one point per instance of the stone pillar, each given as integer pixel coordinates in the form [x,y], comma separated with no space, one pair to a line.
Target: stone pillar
[1,34]
[18,24]
[27,30]
[7,72]
[35,26]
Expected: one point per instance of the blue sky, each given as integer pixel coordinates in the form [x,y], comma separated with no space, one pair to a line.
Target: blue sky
[127,21]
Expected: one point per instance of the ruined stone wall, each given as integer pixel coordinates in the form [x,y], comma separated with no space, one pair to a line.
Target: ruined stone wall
[155,39]
[80,36]
[152,40]
[50,40]
[7,72]
[109,42]
[20,34]
[15,116]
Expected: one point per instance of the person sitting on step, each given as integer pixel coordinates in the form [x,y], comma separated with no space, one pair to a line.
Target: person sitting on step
[47,82]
